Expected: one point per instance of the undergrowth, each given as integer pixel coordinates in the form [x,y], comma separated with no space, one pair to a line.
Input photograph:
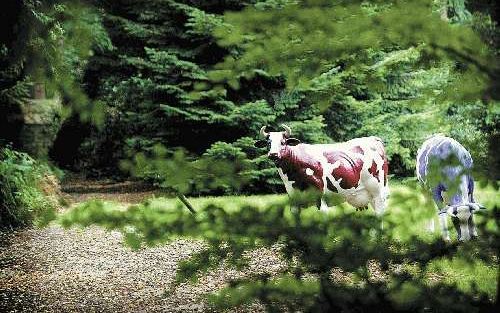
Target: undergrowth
[22,201]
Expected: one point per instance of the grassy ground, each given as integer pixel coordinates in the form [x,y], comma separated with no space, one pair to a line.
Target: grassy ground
[57,270]
[487,195]
[410,215]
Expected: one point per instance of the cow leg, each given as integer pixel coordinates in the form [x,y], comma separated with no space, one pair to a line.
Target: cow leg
[443,218]
[472,226]
[323,206]
[431,225]
[289,189]
[293,208]
[378,204]
[458,228]
[470,187]
[443,221]
[438,196]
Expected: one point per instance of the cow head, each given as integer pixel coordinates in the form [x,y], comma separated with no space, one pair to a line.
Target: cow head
[276,141]
[462,218]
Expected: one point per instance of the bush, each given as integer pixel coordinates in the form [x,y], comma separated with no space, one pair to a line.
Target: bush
[259,173]
[22,200]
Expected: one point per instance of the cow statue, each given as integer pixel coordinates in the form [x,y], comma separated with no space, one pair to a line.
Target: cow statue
[443,164]
[356,169]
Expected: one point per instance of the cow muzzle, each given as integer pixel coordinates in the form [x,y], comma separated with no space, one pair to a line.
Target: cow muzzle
[273,156]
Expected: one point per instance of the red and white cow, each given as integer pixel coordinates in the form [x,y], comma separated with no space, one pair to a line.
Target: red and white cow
[356,169]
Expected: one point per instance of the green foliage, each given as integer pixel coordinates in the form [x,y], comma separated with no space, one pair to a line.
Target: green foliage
[457,11]
[220,170]
[51,42]
[21,199]
[395,69]
[172,70]
[378,68]
[308,38]
[156,85]
[179,80]
[298,293]
[313,244]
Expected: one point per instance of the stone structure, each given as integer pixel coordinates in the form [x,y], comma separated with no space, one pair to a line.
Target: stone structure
[41,121]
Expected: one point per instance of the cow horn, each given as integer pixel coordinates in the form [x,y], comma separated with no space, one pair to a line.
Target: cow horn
[263,131]
[288,130]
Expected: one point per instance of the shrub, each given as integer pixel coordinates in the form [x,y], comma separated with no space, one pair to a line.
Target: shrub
[22,200]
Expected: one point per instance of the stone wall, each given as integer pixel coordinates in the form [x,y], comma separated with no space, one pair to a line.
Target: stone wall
[42,120]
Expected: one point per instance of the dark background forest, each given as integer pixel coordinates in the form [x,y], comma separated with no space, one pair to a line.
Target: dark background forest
[133,75]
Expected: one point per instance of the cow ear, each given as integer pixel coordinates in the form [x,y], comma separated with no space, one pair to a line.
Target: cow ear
[292,141]
[260,143]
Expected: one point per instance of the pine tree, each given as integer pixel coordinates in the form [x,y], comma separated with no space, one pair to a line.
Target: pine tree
[157,89]
[374,68]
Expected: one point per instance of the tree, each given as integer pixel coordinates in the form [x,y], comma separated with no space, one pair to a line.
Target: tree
[156,89]
[47,43]
[394,69]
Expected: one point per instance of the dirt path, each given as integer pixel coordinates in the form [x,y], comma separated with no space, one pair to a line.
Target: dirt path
[56,270]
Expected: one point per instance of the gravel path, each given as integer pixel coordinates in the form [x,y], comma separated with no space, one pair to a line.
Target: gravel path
[57,270]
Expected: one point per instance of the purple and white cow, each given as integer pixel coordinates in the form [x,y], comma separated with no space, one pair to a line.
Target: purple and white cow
[452,164]
[356,169]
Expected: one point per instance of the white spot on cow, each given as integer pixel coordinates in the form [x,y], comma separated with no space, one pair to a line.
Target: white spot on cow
[336,164]
[309,171]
